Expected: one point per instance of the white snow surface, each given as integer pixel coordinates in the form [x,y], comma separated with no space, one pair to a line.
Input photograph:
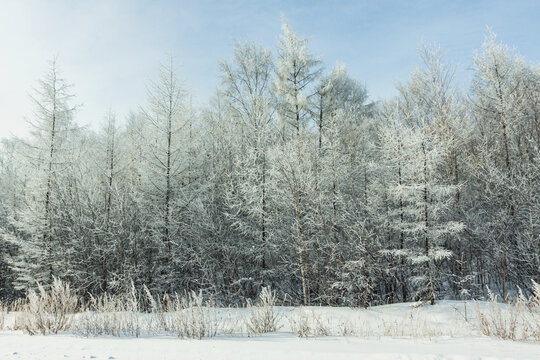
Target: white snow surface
[18,346]
[464,343]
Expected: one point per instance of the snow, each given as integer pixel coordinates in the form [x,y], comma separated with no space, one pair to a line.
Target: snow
[275,346]
[465,342]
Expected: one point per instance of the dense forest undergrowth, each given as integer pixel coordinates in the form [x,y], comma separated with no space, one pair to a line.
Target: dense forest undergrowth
[290,179]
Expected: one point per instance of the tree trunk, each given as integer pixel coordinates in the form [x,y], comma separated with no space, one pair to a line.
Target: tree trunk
[426,237]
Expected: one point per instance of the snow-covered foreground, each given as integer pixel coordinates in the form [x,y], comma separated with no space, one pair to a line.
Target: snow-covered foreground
[276,346]
[399,331]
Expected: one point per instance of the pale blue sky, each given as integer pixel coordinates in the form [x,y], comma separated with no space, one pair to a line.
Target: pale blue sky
[110,49]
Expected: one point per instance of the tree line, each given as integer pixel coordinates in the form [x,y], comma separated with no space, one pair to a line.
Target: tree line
[290,178]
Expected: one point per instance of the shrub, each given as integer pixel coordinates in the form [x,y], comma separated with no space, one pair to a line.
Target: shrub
[306,324]
[114,315]
[262,316]
[193,317]
[518,319]
[3,312]
[49,311]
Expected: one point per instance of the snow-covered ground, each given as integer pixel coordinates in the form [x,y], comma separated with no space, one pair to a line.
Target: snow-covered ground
[399,331]
[276,346]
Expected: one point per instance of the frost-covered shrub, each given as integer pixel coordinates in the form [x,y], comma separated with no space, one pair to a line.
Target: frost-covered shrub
[114,315]
[3,312]
[306,324]
[193,317]
[518,319]
[134,313]
[262,316]
[414,324]
[48,311]
[300,324]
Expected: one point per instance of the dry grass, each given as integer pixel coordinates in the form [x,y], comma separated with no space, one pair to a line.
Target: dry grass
[306,324]
[262,316]
[518,319]
[48,311]
[189,316]
[3,313]
[413,326]
[111,315]
[195,316]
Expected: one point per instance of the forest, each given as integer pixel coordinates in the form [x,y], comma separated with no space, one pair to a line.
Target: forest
[290,177]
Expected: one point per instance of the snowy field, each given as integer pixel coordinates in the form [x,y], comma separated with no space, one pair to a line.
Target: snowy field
[399,331]
[274,346]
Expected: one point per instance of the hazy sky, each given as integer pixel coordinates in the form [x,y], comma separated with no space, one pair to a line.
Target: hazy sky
[110,49]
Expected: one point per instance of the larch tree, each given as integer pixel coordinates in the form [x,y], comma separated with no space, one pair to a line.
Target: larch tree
[12,193]
[246,86]
[424,196]
[497,105]
[296,73]
[49,155]
[293,193]
[110,165]
[166,124]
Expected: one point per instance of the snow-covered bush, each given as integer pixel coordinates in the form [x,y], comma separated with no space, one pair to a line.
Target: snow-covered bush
[530,310]
[262,316]
[231,324]
[114,315]
[49,311]
[3,312]
[413,327]
[189,316]
[306,324]
[300,324]
[518,319]
[193,317]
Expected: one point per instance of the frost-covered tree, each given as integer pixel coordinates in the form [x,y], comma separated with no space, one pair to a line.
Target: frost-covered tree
[165,140]
[339,109]
[341,213]
[422,200]
[105,201]
[293,191]
[502,102]
[12,193]
[296,73]
[422,194]
[335,91]
[246,88]
[49,155]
